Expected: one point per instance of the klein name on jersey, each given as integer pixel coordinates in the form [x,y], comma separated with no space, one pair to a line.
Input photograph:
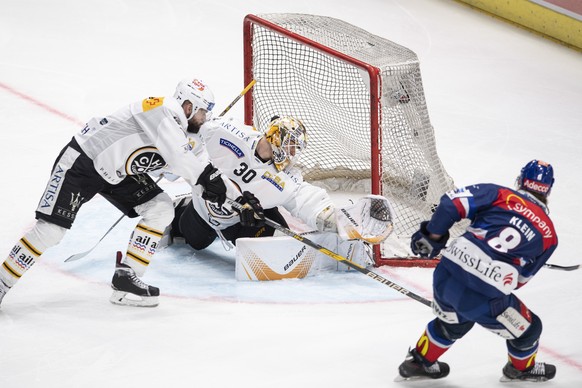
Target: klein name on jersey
[538,221]
[523,228]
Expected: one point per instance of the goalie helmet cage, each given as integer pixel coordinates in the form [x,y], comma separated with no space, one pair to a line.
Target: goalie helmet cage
[361,99]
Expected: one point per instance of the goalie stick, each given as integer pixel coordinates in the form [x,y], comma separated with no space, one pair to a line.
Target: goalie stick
[339,258]
[80,255]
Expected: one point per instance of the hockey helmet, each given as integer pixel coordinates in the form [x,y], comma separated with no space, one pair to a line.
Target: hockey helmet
[288,138]
[197,92]
[536,176]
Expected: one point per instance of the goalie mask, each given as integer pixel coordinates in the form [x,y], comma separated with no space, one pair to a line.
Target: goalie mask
[198,93]
[288,139]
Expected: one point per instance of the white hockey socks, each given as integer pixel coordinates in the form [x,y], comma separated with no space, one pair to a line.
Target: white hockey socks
[29,249]
[142,246]
[157,214]
[22,256]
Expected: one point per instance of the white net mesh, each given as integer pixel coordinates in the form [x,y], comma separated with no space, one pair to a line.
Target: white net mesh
[333,98]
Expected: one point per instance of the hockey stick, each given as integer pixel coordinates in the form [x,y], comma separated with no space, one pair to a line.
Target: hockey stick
[245,90]
[562,268]
[80,255]
[339,258]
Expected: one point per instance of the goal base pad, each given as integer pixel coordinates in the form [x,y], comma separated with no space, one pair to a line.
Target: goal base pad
[407,262]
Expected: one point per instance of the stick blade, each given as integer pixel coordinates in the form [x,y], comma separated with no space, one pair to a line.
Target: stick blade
[77,256]
[563,268]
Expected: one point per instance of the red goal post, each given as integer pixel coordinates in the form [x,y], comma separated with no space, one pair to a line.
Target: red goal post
[361,99]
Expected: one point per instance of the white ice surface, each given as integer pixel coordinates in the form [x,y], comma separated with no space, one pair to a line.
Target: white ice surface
[497,96]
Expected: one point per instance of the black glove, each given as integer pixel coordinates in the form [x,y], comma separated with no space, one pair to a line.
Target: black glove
[213,185]
[251,213]
[423,246]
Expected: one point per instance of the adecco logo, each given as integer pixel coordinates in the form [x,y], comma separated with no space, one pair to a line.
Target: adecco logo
[536,186]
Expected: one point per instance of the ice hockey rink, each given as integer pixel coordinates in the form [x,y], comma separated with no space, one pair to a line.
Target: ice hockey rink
[498,96]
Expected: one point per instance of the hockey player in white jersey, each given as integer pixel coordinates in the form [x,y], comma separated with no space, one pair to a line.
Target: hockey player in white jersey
[261,166]
[111,156]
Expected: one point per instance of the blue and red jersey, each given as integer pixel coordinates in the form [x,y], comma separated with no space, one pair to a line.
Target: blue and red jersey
[508,225]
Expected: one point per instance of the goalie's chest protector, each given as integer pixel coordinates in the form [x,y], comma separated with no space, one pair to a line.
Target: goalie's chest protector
[231,148]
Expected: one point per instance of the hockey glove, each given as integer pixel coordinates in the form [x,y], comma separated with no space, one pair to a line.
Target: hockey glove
[213,185]
[251,213]
[423,246]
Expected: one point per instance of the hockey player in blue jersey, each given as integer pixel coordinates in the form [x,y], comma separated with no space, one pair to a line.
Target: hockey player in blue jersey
[509,239]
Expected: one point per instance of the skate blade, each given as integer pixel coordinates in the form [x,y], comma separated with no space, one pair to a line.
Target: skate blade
[399,379]
[126,299]
[505,379]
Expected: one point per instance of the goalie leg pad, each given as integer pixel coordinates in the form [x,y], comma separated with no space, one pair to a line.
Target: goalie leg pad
[356,251]
[274,258]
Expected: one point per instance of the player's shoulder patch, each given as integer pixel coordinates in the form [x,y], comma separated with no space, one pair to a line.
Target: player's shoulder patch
[151,103]
[461,192]
[232,147]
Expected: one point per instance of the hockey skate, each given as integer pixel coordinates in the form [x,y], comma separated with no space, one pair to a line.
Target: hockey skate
[538,372]
[129,290]
[414,368]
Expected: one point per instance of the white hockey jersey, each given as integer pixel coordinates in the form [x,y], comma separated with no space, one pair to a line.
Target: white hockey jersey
[144,136]
[231,147]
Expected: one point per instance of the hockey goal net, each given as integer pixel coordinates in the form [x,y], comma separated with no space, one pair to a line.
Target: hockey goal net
[362,102]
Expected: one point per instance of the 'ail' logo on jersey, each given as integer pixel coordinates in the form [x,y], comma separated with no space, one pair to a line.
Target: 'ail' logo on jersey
[144,160]
[21,257]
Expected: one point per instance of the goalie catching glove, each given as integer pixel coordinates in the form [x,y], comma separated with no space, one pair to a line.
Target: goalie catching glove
[424,246]
[370,220]
[251,212]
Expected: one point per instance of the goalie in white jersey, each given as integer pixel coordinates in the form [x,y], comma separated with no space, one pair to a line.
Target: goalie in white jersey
[261,166]
[112,156]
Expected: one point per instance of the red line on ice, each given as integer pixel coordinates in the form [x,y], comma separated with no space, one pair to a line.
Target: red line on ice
[40,104]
